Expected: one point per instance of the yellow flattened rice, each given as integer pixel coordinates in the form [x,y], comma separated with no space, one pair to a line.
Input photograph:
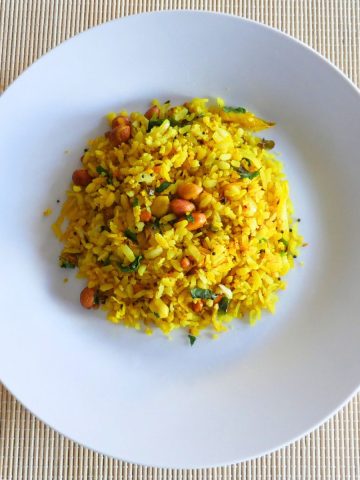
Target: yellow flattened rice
[180,218]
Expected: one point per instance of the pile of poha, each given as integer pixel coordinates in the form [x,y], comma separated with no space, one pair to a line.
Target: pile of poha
[180,217]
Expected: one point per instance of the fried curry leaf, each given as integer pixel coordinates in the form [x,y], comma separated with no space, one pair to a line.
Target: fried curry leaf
[131,235]
[162,187]
[224,305]
[190,218]
[104,173]
[97,298]
[156,122]
[132,267]
[203,293]
[266,144]
[234,109]
[106,262]
[135,202]
[66,264]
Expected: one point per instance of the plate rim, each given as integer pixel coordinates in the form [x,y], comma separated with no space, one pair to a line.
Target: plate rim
[241,19]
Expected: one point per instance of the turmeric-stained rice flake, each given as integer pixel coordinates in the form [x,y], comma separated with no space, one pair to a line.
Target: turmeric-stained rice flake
[180,218]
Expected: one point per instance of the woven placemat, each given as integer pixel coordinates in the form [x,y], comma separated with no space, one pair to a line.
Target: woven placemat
[31,450]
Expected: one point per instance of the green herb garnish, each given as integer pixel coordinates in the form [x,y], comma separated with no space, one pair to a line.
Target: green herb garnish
[132,267]
[135,202]
[156,122]
[202,293]
[234,109]
[224,304]
[131,235]
[96,298]
[156,224]
[104,173]
[190,218]
[246,174]
[67,264]
[105,262]
[162,187]
[192,339]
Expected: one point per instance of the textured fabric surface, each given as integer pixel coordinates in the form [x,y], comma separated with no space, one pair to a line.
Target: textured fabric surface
[31,450]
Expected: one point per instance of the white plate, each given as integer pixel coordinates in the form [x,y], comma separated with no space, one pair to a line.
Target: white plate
[147,399]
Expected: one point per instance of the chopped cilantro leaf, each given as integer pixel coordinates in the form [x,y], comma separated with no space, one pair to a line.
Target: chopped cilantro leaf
[246,174]
[104,173]
[202,293]
[192,339]
[132,267]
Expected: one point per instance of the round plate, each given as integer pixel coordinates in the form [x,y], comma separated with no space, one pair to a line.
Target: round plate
[147,399]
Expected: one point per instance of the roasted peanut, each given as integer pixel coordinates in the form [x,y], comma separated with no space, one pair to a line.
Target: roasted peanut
[153,112]
[119,135]
[181,207]
[137,288]
[197,306]
[199,221]
[189,191]
[160,206]
[120,121]
[185,263]
[145,216]
[81,177]
[87,297]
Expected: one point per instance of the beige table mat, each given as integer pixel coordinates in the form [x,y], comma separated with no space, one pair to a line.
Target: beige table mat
[31,450]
